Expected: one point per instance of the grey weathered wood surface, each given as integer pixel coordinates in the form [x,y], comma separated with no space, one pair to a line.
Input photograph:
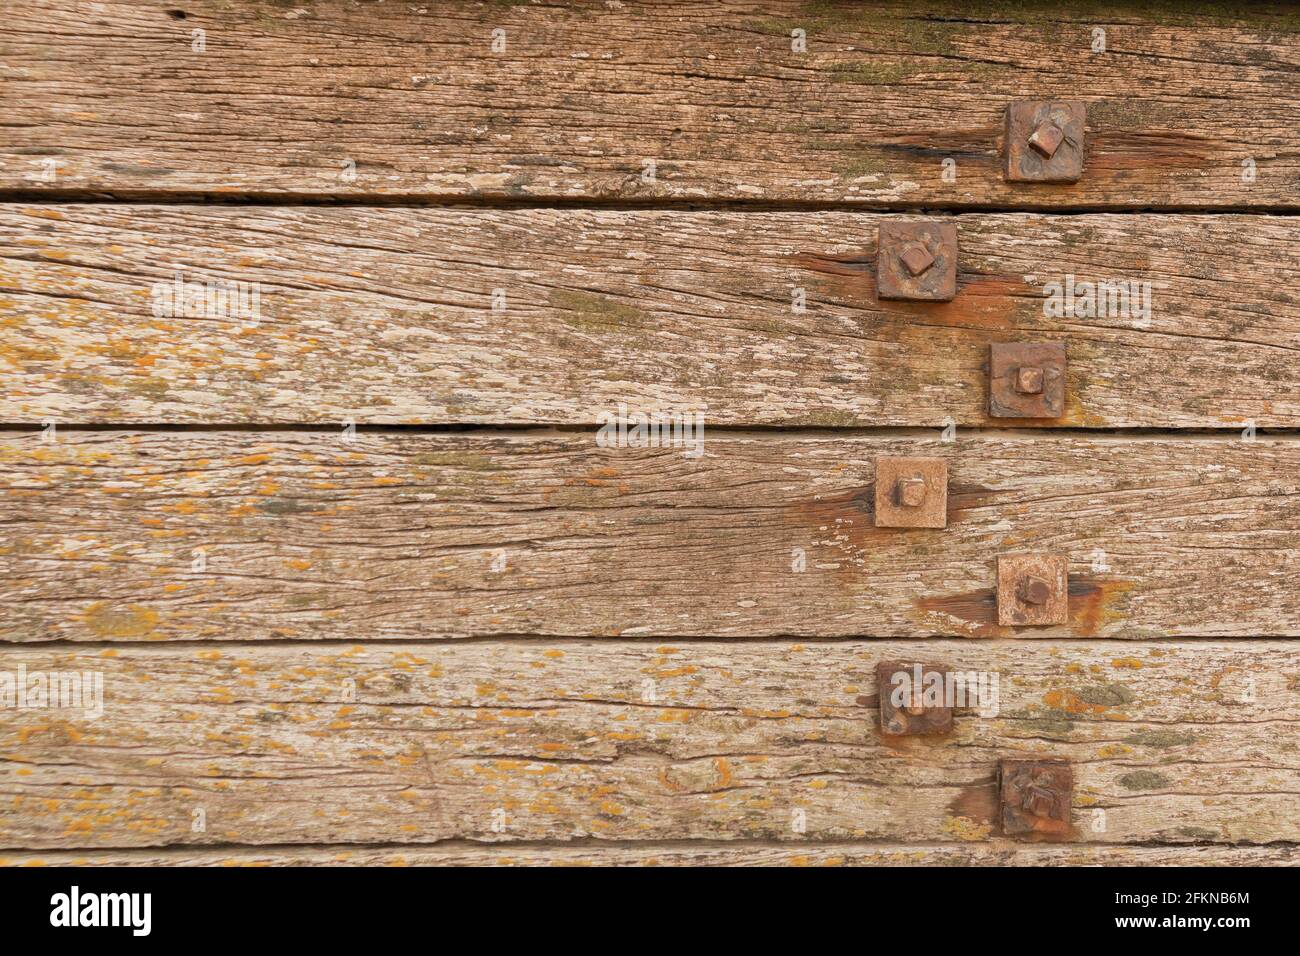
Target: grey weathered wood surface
[1179,743]
[385,316]
[516,647]
[284,95]
[699,853]
[303,535]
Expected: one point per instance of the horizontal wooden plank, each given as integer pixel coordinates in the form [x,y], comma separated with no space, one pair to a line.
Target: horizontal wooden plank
[993,853]
[1171,743]
[283,97]
[246,535]
[387,316]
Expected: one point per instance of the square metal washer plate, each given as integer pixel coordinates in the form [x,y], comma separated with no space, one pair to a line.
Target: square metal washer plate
[932,512]
[894,280]
[907,721]
[1053,570]
[1005,359]
[1035,797]
[1024,164]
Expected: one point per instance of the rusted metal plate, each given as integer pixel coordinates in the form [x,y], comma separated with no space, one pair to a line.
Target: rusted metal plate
[1027,380]
[1036,796]
[1033,589]
[917,260]
[903,699]
[1044,141]
[911,492]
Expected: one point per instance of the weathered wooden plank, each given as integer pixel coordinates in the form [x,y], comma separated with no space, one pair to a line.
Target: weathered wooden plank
[1170,743]
[386,316]
[241,536]
[283,97]
[992,853]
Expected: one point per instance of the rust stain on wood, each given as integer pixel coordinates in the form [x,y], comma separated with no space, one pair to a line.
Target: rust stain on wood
[1094,603]
[978,804]
[989,302]
[1122,151]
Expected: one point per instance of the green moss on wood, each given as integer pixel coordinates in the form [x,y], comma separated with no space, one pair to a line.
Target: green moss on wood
[1143,780]
[1161,739]
[595,313]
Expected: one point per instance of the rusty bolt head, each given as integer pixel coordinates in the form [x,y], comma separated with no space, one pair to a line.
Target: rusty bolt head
[1033,590]
[916,259]
[1039,801]
[1029,380]
[910,492]
[1036,796]
[1045,139]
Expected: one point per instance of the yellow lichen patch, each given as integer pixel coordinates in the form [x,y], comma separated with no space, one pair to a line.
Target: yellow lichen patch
[964,828]
[108,621]
[1071,703]
[724,772]
[1130,662]
[673,671]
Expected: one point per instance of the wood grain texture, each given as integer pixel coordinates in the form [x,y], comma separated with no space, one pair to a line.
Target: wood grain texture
[302,535]
[285,94]
[993,853]
[1174,743]
[386,316]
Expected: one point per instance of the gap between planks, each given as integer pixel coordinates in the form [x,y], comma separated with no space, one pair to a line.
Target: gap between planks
[517,639]
[190,854]
[1228,433]
[599,204]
